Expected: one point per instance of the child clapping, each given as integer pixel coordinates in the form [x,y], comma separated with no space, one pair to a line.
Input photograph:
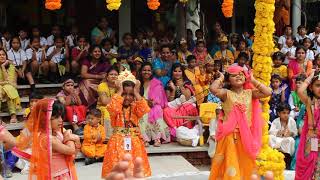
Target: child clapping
[94,135]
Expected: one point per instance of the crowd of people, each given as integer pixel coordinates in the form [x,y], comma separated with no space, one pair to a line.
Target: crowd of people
[123,99]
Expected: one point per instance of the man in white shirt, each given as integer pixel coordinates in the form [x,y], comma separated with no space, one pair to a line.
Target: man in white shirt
[282,39]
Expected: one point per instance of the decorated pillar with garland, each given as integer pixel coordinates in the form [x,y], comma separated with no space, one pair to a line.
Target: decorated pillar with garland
[269,159]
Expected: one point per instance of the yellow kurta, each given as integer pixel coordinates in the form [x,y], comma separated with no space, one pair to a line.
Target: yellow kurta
[229,55]
[104,90]
[197,81]
[182,57]
[8,91]
[231,161]
[91,147]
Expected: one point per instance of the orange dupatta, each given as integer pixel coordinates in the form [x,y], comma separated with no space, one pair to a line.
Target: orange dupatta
[41,157]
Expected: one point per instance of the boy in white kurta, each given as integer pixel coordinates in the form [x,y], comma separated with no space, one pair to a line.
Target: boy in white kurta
[283,130]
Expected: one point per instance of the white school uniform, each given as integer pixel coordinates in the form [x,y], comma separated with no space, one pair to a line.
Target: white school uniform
[282,40]
[5,44]
[39,52]
[299,37]
[313,35]
[24,43]
[72,40]
[310,55]
[43,41]
[17,57]
[50,40]
[57,58]
[285,50]
[284,144]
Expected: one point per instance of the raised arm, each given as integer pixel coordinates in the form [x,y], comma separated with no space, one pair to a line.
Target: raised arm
[216,88]
[302,89]
[261,91]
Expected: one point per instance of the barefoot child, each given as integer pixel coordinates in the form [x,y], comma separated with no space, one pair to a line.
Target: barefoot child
[94,135]
[126,109]
[282,132]
[75,111]
[239,125]
[53,150]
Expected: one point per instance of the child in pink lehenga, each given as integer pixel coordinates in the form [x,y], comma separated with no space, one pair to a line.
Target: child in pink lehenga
[53,149]
[308,154]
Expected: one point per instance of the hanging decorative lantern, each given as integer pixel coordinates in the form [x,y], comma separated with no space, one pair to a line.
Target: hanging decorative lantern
[53,4]
[227,8]
[113,4]
[153,4]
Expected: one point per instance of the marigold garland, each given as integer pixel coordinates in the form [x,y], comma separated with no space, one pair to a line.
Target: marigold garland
[153,4]
[227,8]
[113,4]
[269,159]
[52,4]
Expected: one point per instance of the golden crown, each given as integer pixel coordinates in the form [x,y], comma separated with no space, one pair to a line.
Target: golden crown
[126,76]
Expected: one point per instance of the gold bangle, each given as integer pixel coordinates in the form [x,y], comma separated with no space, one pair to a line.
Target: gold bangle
[258,86]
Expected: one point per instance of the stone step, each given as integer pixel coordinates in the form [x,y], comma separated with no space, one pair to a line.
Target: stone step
[26,99]
[40,86]
[5,114]
[43,89]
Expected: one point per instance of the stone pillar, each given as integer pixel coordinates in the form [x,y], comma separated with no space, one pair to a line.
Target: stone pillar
[296,15]
[124,18]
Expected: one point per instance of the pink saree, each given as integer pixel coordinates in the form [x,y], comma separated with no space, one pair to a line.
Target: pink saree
[306,163]
[157,94]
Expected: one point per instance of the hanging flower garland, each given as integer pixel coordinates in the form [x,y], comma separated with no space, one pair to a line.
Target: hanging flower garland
[53,4]
[269,159]
[153,4]
[113,4]
[227,8]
